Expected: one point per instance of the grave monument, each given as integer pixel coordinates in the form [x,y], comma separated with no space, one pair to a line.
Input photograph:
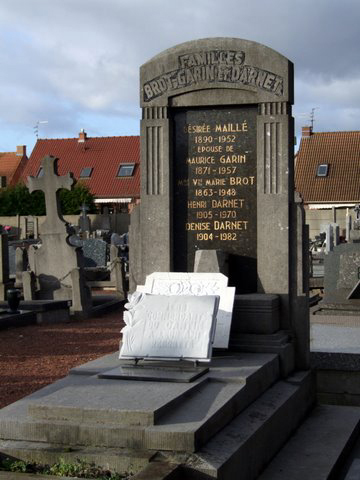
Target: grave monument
[217,174]
[56,265]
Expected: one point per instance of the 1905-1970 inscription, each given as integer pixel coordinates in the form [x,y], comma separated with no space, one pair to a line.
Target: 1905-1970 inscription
[215,184]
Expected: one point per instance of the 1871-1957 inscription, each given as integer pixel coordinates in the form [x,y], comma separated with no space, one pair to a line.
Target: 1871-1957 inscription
[215,184]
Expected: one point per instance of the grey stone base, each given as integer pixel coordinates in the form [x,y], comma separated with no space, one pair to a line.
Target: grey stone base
[255,313]
[278,343]
[227,424]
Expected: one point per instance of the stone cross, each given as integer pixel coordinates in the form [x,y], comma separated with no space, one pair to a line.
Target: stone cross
[50,183]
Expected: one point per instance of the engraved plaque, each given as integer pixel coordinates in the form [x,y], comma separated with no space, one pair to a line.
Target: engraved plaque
[215,189]
[169,327]
[176,283]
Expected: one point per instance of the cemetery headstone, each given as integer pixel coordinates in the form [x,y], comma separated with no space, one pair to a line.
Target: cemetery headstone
[12,260]
[54,261]
[169,327]
[342,273]
[218,173]
[21,264]
[4,265]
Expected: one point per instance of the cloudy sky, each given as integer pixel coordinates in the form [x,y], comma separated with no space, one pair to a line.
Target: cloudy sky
[75,63]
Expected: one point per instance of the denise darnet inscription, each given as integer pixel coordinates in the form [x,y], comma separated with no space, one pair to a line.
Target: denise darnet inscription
[170,327]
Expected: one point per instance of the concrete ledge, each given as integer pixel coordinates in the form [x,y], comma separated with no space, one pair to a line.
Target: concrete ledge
[10,320]
[46,311]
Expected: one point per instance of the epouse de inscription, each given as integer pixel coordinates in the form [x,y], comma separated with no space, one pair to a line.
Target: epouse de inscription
[214,183]
[220,66]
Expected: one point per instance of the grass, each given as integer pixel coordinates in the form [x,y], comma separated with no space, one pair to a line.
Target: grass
[79,469]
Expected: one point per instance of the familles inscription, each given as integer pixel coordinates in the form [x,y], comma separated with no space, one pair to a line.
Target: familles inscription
[215,187]
[222,66]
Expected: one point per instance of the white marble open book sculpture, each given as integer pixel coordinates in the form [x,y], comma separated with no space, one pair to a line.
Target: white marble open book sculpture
[169,327]
[180,283]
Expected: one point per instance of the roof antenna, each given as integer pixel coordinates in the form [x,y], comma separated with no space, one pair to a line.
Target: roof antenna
[36,128]
[312,117]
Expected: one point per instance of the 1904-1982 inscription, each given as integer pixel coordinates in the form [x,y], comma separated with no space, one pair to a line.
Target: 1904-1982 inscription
[215,188]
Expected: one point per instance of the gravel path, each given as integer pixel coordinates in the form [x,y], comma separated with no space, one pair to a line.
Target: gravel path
[34,356]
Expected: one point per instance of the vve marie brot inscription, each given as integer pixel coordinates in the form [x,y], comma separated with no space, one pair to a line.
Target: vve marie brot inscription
[215,183]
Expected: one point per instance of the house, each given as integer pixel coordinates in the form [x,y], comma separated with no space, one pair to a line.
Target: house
[327,176]
[12,165]
[110,166]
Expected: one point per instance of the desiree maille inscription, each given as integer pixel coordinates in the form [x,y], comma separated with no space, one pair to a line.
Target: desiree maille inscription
[224,66]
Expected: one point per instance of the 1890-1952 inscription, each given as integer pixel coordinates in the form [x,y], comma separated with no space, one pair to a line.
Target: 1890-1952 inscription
[215,185]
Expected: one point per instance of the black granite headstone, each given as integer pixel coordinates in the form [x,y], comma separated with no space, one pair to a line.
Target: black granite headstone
[95,252]
[215,198]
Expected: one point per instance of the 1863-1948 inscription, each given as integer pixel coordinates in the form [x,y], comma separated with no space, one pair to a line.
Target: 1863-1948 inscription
[215,188]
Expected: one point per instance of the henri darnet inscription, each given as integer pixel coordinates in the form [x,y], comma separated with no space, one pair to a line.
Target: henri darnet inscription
[224,66]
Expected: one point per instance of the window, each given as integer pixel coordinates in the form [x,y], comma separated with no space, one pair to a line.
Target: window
[322,170]
[86,172]
[40,172]
[126,170]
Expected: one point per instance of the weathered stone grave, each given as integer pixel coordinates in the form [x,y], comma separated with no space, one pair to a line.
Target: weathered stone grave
[56,265]
[342,275]
[217,174]
[4,264]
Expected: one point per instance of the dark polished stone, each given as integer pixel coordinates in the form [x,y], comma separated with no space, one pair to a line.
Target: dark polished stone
[215,189]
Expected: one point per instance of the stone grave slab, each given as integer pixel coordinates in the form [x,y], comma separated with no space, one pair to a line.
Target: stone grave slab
[82,409]
[169,327]
[178,283]
[106,400]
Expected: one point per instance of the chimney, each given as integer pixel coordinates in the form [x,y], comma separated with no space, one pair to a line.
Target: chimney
[306,132]
[82,136]
[21,151]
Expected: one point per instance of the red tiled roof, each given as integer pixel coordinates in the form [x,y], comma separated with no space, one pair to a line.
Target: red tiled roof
[341,151]
[102,154]
[9,163]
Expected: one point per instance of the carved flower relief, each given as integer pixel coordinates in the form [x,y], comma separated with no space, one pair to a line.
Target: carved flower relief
[131,318]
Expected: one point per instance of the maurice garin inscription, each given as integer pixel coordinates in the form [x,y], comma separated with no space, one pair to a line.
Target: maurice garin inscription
[215,66]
